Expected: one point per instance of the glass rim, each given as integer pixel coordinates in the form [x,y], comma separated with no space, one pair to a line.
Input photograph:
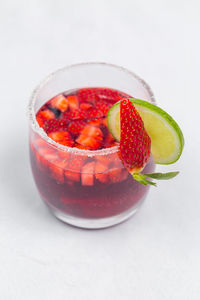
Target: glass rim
[36,128]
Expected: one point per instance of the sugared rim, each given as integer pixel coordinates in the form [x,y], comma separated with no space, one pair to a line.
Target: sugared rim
[35,126]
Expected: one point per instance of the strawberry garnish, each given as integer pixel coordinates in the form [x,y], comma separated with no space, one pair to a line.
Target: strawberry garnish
[135,144]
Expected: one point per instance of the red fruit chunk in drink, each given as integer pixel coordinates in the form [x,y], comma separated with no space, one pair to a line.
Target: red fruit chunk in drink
[60,102]
[73,102]
[75,127]
[93,132]
[101,172]
[87,174]
[73,171]
[57,170]
[89,142]
[79,185]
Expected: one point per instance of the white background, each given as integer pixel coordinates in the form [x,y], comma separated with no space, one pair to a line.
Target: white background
[156,254]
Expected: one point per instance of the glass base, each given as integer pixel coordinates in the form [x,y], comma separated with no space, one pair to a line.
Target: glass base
[95,223]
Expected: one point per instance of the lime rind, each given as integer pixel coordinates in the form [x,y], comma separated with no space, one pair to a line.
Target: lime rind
[175,137]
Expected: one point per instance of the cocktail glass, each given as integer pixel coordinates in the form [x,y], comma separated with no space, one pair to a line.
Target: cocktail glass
[113,195]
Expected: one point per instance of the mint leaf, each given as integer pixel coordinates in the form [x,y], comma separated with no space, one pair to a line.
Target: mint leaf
[161,176]
[140,178]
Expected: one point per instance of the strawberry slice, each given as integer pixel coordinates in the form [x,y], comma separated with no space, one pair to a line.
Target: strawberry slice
[89,142]
[60,102]
[75,127]
[93,131]
[87,174]
[73,102]
[135,144]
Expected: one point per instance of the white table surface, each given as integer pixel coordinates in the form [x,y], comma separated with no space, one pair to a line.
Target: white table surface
[156,254]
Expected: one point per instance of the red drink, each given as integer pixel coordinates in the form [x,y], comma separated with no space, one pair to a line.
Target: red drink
[74,159]
[85,184]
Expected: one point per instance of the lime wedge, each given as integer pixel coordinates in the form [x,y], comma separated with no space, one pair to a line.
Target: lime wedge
[167,139]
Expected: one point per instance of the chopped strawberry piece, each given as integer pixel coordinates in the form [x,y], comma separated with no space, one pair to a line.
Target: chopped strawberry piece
[96,122]
[60,135]
[74,169]
[94,113]
[109,95]
[38,143]
[54,125]
[124,174]
[77,114]
[100,172]
[73,102]
[64,155]
[103,159]
[60,102]
[93,131]
[57,170]
[115,175]
[89,142]
[87,174]
[75,127]
[68,143]
[85,106]
[114,144]
[109,140]
[46,114]
[104,122]
[103,107]
[44,156]
[81,147]
[87,95]
[40,120]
